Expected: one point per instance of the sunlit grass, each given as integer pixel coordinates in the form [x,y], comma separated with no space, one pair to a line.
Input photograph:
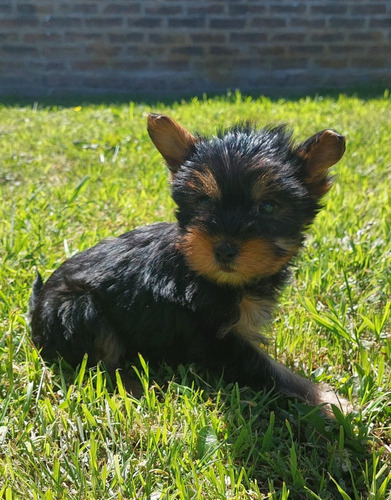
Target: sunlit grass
[70,176]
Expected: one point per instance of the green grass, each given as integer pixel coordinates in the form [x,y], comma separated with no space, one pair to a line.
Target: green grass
[70,176]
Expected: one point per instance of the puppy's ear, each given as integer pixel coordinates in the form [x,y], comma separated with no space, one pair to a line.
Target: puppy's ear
[319,153]
[173,142]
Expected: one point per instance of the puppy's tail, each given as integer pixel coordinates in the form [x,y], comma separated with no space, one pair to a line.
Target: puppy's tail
[37,287]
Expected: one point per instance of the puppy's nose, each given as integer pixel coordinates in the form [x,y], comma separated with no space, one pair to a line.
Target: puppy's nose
[226,252]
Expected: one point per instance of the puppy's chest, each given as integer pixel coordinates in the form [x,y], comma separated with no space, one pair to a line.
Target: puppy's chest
[255,313]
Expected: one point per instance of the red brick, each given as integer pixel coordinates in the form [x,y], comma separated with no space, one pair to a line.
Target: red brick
[173,64]
[288,37]
[384,22]
[126,37]
[343,22]
[256,8]
[218,50]
[205,9]
[66,53]
[333,62]
[240,9]
[268,22]
[18,22]
[247,37]
[190,50]
[80,8]
[305,49]
[359,36]
[52,22]
[42,38]
[274,51]
[145,22]
[226,23]
[308,22]
[78,37]
[164,10]
[370,62]
[376,8]
[290,63]
[9,37]
[103,22]
[344,48]
[208,37]
[55,66]
[19,50]
[102,51]
[162,46]
[185,22]
[122,8]
[131,65]
[294,8]
[327,37]
[168,38]
[332,8]
[382,50]
[89,64]
[5,7]
[26,9]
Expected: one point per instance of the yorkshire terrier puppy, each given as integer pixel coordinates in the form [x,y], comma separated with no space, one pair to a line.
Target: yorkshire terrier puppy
[201,289]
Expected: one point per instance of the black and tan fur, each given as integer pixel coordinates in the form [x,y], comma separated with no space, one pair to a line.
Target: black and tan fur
[199,290]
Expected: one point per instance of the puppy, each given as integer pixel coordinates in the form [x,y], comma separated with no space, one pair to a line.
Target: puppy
[201,289]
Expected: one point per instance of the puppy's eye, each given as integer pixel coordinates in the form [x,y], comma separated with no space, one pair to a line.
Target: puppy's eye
[267,207]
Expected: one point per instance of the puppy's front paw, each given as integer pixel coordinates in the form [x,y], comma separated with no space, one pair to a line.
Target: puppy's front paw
[327,396]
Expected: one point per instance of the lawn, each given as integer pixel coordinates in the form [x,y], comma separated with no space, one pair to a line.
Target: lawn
[72,175]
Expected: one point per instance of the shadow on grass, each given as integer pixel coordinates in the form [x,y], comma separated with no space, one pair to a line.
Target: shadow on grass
[278,442]
[289,444]
[109,99]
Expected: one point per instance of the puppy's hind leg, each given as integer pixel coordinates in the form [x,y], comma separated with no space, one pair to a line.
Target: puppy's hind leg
[72,323]
[109,351]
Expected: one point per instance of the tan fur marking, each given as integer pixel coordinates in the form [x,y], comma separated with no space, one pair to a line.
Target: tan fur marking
[108,349]
[287,245]
[254,313]
[326,149]
[261,187]
[256,258]
[170,139]
[205,183]
[319,189]
[198,248]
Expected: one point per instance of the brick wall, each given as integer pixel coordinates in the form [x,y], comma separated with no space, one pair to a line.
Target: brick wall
[192,46]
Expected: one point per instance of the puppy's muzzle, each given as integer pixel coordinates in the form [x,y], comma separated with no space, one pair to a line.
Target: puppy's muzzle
[226,252]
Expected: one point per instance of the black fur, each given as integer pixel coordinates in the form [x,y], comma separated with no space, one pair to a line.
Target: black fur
[237,158]
[140,293]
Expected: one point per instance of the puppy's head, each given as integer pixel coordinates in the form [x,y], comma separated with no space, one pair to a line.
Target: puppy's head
[244,197]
